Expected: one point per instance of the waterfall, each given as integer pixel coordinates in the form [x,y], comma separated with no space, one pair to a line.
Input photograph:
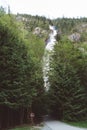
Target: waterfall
[47,54]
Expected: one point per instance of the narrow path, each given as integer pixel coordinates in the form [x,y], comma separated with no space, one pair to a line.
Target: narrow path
[56,125]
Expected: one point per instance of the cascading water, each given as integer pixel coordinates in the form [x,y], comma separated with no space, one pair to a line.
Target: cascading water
[47,54]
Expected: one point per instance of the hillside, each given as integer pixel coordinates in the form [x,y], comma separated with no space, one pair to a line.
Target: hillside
[22,91]
[66,26]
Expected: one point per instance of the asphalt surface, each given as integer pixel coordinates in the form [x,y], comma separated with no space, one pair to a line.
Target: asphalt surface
[56,125]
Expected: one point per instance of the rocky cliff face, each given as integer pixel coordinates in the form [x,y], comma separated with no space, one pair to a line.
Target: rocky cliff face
[75,37]
[79,33]
[39,31]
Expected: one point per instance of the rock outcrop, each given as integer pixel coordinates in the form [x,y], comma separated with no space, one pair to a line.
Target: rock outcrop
[75,37]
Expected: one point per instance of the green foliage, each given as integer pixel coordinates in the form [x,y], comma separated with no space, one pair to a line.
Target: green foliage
[82,124]
[31,22]
[21,77]
[36,49]
[67,93]
[26,128]
[21,82]
[15,66]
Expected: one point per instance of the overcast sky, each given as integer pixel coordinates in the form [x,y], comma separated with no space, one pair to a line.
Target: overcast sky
[48,8]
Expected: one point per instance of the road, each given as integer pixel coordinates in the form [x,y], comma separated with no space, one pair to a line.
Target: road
[56,125]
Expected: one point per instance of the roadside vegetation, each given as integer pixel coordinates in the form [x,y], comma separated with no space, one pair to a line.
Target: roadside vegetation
[81,124]
[26,128]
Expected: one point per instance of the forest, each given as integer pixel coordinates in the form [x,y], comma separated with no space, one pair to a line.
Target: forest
[22,45]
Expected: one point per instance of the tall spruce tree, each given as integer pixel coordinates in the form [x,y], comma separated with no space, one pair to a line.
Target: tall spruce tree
[67,94]
[16,91]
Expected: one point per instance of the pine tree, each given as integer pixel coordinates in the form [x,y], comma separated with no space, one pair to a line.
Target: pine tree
[67,94]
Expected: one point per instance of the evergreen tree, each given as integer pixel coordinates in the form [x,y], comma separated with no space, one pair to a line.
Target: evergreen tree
[16,91]
[67,94]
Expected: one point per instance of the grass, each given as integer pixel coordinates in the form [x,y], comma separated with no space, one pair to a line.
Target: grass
[82,124]
[22,128]
[26,128]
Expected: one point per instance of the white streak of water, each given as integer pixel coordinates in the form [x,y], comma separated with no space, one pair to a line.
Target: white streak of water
[46,58]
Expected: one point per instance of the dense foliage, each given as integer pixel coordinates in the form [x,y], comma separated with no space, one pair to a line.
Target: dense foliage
[20,72]
[68,97]
[21,79]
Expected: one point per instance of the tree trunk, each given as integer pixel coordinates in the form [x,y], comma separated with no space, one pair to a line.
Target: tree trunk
[8,112]
[21,115]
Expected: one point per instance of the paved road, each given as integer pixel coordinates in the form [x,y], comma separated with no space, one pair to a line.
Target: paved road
[56,125]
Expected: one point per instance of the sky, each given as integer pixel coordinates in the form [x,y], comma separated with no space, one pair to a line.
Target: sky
[48,8]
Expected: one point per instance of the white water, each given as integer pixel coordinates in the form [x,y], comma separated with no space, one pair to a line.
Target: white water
[47,54]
